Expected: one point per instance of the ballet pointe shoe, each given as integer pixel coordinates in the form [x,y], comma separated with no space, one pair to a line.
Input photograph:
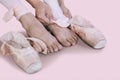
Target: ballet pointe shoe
[87,32]
[25,56]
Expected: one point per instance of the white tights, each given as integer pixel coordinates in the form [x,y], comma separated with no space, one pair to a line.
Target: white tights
[15,8]
[57,13]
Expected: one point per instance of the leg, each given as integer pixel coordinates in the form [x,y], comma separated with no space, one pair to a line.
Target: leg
[64,35]
[35,29]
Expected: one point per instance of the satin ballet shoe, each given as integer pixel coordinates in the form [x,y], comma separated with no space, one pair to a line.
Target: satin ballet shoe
[87,32]
[24,55]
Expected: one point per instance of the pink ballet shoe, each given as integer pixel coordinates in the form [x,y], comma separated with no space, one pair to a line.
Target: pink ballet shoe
[24,55]
[87,32]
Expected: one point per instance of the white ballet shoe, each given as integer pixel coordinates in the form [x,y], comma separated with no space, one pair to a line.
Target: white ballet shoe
[87,32]
[16,45]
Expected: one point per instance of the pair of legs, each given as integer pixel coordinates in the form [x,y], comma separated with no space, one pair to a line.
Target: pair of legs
[35,29]
[61,36]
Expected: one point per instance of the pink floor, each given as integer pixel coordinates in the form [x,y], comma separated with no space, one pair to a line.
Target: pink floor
[79,62]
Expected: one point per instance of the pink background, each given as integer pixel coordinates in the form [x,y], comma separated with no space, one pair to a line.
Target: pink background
[79,62]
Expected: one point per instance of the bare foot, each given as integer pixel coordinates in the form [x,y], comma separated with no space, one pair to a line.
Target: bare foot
[65,36]
[35,29]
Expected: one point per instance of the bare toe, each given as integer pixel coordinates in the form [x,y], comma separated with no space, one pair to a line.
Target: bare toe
[55,47]
[66,43]
[73,41]
[38,48]
[50,48]
[60,47]
[76,38]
